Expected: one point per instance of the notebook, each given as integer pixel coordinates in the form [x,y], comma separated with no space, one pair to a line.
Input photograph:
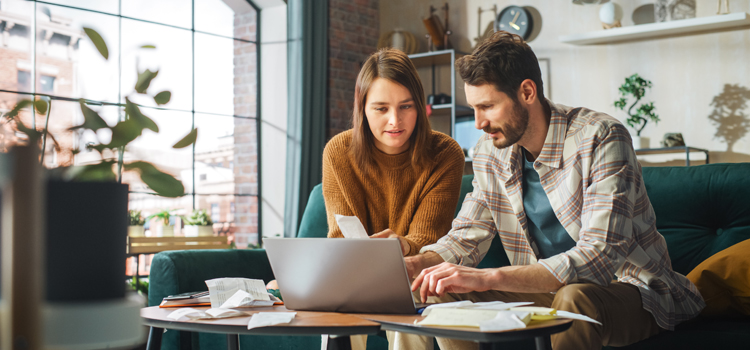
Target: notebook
[341,275]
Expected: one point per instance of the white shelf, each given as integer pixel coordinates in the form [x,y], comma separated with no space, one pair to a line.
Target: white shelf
[653,30]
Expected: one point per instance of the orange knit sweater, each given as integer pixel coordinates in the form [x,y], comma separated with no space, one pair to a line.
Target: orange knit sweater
[416,205]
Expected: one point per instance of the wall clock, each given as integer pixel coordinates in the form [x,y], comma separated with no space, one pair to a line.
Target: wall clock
[516,20]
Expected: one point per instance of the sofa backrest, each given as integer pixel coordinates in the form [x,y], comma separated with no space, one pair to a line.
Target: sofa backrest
[700,210]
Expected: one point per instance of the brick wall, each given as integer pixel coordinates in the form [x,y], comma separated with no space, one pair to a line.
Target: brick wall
[245,134]
[353,30]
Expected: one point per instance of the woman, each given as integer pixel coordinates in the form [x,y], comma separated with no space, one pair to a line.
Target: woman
[395,174]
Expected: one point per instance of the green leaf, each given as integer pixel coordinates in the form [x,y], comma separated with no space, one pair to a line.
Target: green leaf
[134,112]
[41,106]
[98,42]
[163,97]
[125,132]
[148,47]
[144,80]
[92,172]
[91,119]
[162,183]
[33,134]
[17,108]
[188,140]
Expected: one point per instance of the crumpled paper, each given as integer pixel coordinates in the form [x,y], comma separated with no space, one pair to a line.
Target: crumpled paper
[264,319]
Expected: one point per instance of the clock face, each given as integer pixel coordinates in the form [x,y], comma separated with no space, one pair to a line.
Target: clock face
[516,20]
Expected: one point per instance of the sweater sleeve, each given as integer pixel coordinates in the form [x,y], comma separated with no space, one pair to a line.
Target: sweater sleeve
[335,199]
[433,218]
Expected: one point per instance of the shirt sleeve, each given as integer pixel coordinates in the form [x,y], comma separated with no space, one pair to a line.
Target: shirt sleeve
[472,232]
[433,217]
[609,196]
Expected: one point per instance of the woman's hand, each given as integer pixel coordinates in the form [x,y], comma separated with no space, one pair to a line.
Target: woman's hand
[388,233]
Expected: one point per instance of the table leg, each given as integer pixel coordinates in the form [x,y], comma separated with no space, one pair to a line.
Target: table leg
[154,338]
[543,343]
[233,342]
[485,346]
[342,342]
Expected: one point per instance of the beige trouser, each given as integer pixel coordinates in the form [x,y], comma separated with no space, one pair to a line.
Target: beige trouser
[617,306]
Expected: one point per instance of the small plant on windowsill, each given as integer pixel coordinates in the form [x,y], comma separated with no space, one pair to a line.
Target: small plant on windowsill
[136,222]
[198,224]
[636,86]
[165,230]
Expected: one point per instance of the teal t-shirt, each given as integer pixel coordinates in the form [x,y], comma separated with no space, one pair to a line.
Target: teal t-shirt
[544,227]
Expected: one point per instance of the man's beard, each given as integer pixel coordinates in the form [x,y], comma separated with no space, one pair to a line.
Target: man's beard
[513,130]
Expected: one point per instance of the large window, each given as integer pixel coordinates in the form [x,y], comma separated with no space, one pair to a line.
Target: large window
[206,55]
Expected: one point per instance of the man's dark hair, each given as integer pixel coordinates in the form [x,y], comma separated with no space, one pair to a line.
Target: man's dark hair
[503,60]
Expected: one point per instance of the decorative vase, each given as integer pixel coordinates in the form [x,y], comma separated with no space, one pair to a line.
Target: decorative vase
[199,230]
[136,231]
[641,142]
[165,231]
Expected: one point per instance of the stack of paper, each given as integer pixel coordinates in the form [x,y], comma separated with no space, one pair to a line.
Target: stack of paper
[238,292]
[492,316]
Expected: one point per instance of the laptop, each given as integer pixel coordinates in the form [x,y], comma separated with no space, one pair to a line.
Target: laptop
[341,275]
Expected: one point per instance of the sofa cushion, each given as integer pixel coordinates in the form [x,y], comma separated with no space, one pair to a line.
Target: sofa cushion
[314,222]
[700,210]
[724,281]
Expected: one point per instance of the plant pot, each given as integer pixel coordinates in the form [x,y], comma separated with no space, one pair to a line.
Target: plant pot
[641,142]
[198,231]
[136,231]
[87,225]
[165,231]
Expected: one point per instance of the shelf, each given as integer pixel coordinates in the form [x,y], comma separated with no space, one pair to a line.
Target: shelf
[428,59]
[730,21]
[671,150]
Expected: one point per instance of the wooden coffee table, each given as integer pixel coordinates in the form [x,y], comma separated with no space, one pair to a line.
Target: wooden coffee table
[540,331]
[305,323]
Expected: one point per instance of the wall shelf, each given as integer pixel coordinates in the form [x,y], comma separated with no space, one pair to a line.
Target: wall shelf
[732,21]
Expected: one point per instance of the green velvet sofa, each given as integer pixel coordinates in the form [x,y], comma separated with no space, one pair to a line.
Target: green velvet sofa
[700,210]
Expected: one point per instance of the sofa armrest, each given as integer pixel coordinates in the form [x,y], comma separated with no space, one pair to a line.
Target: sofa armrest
[183,271]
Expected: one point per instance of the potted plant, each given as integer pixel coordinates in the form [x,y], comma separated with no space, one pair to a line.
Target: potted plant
[86,204]
[636,86]
[136,222]
[198,224]
[165,230]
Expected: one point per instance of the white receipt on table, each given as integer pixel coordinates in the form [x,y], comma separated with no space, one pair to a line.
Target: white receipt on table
[180,313]
[263,319]
[506,320]
[351,227]
[195,314]
[222,289]
[242,298]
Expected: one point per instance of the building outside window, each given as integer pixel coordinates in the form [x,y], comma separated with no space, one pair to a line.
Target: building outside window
[206,56]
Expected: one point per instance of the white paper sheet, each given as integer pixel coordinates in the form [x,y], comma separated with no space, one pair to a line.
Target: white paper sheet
[505,320]
[567,314]
[221,289]
[263,319]
[242,298]
[457,317]
[454,305]
[180,313]
[351,227]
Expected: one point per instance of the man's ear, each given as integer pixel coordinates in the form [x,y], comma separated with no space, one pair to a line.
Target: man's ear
[527,92]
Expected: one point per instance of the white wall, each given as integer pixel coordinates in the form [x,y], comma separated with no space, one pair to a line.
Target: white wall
[687,72]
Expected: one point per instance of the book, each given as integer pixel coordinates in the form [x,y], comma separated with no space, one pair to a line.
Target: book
[186,302]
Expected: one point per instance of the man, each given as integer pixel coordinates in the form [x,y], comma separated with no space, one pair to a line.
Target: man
[563,189]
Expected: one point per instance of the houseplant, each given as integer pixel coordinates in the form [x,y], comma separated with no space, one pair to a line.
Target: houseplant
[86,205]
[165,230]
[136,222]
[635,87]
[198,224]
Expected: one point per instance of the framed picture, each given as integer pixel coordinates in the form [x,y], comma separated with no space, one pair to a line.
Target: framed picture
[544,65]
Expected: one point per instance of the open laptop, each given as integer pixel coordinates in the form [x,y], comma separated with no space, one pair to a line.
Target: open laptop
[341,275]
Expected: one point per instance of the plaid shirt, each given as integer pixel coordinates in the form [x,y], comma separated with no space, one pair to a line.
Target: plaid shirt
[593,181]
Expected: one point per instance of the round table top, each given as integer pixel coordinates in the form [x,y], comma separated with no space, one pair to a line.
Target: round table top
[304,323]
